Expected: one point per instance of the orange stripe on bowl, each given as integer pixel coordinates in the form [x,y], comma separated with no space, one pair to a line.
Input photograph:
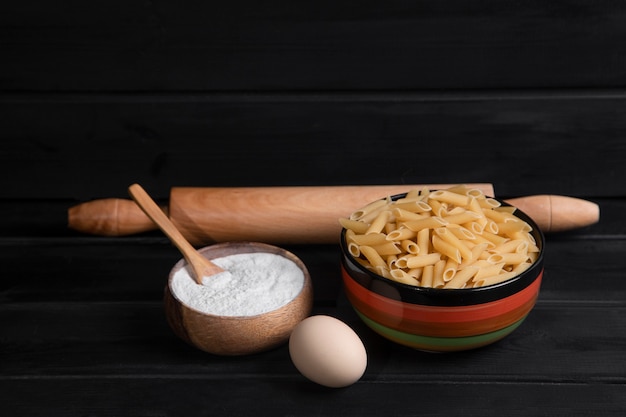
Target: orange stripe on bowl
[480,315]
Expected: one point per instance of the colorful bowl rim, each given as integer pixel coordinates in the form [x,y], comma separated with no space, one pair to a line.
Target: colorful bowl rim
[438,296]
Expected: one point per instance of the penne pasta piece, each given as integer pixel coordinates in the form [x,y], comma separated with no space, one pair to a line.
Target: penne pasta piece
[462,277]
[491,227]
[372,207]
[401,262]
[354,249]
[450,269]
[415,273]
[438,270]
[387,248]
[427,223]
[516,245]
[410,246]
[401,276]
[465,217]
[446,235]
[508,258]
[372,256]
[494,238]
[389,227]
[488,270]
[449,197]
[427,276]
[475,227]
[489,203]
[406,215]
[417,206]
[401,234]
[379,222]
[371,239]
[461,232]
[446,249]
[438,209]
[354,225]
[510,228]
[423,241]
[420,261]
[494,279]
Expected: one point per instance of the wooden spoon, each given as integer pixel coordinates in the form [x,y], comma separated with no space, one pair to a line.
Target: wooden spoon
[200,265]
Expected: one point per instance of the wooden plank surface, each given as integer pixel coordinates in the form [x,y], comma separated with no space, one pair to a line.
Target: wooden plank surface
[87,147]
[319,45]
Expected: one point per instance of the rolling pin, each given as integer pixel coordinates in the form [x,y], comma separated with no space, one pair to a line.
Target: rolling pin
[290,215]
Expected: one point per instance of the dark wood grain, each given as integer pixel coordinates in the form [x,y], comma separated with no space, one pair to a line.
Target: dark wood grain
[89,147]
[319,45]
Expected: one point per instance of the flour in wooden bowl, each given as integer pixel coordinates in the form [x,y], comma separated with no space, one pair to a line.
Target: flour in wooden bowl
[256,283]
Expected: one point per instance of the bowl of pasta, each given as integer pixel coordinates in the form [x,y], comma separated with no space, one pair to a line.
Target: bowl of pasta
[441,270]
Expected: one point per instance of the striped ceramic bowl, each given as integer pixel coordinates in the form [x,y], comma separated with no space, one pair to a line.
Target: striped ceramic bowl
[442,320]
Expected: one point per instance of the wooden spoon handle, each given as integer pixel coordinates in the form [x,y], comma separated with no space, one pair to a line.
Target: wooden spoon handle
[200,265]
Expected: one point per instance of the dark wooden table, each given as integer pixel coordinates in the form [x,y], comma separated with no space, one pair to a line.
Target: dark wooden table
[526,95]
[83,333]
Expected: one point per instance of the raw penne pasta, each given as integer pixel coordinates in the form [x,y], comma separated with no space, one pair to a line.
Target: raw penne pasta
[371,239]
[410,246]
[447,249]
[494,238]
[422,260]
[372,256]
[516,245]
[508,258]
[402,215]
[378,224]
[453,238]
[427,276]
[372,207]
[416,206]
[438,208]
[438,270]
[488,270]
[403,277]
[423,241]
[462,277]
[427,223]
[450,269]
[489,203]
[445,234]
[354,225]
[450,197]
[354,249]
[465,217]
[510,228]
[461,232]
[387,248]
[401,234]
[416,273]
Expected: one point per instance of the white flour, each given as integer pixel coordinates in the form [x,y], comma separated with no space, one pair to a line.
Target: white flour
[254,283]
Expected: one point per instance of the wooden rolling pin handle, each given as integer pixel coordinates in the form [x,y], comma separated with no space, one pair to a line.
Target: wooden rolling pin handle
[557,213]
[110,217]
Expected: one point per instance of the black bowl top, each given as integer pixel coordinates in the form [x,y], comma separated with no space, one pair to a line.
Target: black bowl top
[439,296]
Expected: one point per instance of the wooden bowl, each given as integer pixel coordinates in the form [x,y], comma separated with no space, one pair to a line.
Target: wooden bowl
[237,335]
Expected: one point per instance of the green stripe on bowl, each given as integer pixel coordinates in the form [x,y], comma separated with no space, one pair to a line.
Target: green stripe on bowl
[439,344]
